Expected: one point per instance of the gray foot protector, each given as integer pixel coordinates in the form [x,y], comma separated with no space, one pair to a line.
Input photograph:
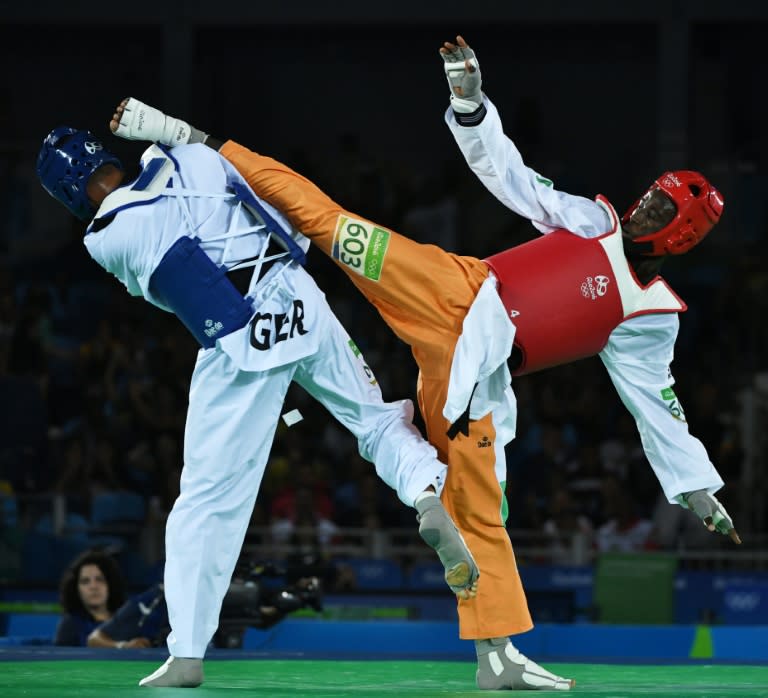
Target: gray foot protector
[501,666]
[440,533]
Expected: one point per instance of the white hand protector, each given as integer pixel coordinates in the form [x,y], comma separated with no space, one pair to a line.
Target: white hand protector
[465,83]
[710,511]
[140,122]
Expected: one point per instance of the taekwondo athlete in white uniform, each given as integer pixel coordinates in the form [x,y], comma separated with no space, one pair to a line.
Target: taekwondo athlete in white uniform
[172,235]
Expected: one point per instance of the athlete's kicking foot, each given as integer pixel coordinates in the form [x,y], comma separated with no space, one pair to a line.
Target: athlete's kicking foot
[501,666]
[177,672]
[440,533]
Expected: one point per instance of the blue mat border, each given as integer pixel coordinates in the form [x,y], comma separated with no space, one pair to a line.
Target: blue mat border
[438,640]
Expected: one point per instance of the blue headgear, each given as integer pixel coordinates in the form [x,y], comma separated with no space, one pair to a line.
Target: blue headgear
[66,161]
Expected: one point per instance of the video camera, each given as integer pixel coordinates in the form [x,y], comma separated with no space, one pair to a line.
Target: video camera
[259,596]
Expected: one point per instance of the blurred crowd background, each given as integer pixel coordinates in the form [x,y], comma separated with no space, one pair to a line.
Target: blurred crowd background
[94,383]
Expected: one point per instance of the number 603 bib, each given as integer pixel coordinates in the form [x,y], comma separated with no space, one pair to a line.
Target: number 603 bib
[361,246]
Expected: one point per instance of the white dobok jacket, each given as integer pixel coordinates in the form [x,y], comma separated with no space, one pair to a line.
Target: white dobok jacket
[639,344]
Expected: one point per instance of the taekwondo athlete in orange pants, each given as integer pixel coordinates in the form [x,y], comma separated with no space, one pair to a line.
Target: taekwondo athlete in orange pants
[457,313]
[424,294]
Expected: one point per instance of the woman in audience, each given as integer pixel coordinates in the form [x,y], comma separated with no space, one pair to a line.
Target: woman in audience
[90,592]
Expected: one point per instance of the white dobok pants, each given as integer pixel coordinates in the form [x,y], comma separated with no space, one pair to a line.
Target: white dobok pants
[230,426]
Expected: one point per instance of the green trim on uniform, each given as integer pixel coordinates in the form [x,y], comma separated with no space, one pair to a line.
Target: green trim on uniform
[504,503]
[668,394]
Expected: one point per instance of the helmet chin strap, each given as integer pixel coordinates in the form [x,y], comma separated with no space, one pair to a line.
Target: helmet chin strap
[644,263]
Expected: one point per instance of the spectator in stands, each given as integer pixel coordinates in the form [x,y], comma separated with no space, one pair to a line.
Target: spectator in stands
[585,479]
[624,531]
[142,621]
[359,502]
[90,592]
[566,528]
[304,504]
[87,466]
[623,450]
[306,526]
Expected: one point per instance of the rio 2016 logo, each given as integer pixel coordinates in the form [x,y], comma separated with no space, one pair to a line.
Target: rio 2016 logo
[595,287]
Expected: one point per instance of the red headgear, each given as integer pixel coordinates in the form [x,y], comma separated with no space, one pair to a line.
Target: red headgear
[699,207]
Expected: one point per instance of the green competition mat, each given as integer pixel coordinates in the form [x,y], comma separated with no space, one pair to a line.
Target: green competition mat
[366,679]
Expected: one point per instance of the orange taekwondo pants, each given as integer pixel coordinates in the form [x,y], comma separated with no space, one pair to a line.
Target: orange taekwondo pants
[423,294]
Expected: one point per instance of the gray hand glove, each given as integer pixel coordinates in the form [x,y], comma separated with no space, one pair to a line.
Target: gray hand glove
[463,73]
[711,512]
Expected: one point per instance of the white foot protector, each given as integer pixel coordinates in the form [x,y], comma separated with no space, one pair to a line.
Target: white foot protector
[501,666]
[177,672]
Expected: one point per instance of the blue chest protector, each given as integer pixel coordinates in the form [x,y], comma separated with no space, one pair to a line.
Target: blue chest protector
[187,280]
[199,292]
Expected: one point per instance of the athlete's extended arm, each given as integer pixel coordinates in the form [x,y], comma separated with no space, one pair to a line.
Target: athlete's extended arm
[497,162]
[637,358]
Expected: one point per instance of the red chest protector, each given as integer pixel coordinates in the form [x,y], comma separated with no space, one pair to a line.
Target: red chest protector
[565,295]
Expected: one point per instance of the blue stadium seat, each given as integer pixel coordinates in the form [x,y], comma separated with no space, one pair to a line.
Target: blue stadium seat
[44,556]
[117,508]
[75,526]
